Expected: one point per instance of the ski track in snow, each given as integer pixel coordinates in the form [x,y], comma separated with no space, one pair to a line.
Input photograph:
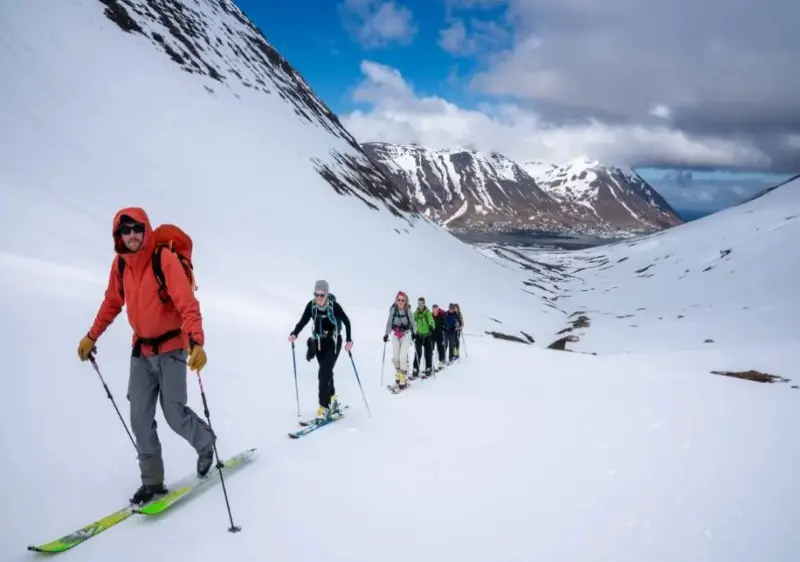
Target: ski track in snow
[515,453]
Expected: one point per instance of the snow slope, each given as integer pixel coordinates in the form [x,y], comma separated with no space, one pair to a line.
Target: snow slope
[729,277]
[605,457]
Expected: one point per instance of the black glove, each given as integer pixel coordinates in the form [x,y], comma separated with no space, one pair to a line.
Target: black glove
[385,338]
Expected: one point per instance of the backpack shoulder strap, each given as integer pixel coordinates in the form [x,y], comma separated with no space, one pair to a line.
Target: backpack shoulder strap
[121,271]
[158,272]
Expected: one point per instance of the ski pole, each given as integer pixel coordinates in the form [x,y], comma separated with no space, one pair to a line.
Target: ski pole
[110,397]
[359,383]
[415,364]
[464,341]
[433,357]
[383,362]
[233,528]
[296,391]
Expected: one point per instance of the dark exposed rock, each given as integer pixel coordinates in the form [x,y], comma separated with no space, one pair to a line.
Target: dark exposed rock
[751,375]
[561,343]
[509,337]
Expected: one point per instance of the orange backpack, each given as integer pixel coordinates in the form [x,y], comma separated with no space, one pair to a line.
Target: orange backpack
[179,243]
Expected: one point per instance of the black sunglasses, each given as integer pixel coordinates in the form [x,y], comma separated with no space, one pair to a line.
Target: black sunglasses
[128,228]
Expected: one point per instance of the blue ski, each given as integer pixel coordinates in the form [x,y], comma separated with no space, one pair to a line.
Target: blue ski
[312,425]
[313,421]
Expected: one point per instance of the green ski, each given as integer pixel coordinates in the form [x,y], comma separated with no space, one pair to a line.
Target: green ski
[179,490]
[191,484]
[85,533]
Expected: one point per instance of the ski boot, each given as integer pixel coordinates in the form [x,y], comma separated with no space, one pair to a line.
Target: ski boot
[323,415]
[146,493]
[400,379]
[204,461]
[334,406]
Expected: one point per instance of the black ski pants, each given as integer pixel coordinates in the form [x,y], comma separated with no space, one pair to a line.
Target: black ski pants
[451,340]
[423,344]
[438,341]
[327,352]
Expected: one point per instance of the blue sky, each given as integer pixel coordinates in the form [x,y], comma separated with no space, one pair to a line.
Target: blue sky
[319,46]
[514,76]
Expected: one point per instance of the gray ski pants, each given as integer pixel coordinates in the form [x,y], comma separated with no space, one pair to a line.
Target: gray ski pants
[161,378]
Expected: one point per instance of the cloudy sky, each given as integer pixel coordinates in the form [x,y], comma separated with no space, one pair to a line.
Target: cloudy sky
[703,98]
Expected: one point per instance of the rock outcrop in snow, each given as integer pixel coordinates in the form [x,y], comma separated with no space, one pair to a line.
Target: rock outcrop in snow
[469,190]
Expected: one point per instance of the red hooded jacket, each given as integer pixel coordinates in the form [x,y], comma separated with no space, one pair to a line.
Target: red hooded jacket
[147,315]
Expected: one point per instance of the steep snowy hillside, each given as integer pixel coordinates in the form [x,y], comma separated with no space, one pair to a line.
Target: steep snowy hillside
[164,105]
[727,280]
[767,190]
[616,196]
[642,457]
[474,191]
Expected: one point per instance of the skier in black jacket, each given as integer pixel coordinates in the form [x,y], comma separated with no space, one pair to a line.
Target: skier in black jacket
[325,342]
[438,333]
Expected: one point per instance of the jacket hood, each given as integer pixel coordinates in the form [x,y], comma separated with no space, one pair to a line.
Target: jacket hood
[148,243]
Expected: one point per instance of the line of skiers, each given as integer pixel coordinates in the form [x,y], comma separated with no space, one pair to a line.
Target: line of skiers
[426,328]
[152,276]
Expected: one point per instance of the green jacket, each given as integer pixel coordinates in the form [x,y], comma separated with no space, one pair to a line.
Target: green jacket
[424,321]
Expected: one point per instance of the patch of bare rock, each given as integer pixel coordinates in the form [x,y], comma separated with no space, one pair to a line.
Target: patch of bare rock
[752,375]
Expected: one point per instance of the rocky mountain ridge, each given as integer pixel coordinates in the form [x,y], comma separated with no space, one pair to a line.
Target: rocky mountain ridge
[466,190]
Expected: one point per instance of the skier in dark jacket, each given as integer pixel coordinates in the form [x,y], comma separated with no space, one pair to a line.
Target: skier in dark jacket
[438,333]
[325,343]
[452,323]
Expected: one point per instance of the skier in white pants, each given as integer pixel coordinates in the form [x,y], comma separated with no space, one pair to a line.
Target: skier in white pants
[401,325]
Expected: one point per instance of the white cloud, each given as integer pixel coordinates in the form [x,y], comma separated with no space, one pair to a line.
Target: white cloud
[399,114]
[722,68]
[624,56]
[483,37]
[453,39]
[661,111]
[377,23]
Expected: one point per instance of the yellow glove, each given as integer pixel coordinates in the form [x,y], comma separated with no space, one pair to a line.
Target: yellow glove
[197,358]
[85,347]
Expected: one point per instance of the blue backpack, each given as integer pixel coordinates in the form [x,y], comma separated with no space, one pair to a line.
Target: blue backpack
[317,329]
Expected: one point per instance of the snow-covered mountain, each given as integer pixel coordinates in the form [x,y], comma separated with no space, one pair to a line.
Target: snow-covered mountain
[644,455]
[470,190]
[618,196]
[467,189]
